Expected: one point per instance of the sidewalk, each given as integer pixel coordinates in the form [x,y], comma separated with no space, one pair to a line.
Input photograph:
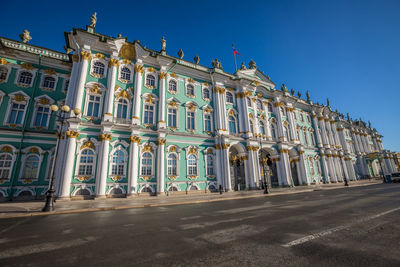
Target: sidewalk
[33,208]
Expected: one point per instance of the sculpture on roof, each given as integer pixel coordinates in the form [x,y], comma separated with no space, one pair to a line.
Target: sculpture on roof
[25,36]
[243,66]
[180,53]
[348,116]
[252,64]
[163,44]
[93,20]
[292,91]
[327,102]
[284,88]
[299,94]
[216,64]
[308,95]
[196,59]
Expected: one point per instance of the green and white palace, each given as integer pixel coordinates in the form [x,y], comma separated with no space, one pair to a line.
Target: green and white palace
[155,123]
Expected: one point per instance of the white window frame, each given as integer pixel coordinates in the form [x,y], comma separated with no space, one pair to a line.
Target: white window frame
[197,165]
[125,164]
[177,116]
[9,69]
[152,164]
[177,164]
[78,154]
[194,90]
[259,101]
[11,101]
[128,111]
[235,122]
[39,153]
[49,89]
[96,75]
[93,164]
[176,89]
[129,66]
[311,166]
[23,85]
[206,164]
[233,98]
[209,93]
[144,111]
[100,93]
[13,155]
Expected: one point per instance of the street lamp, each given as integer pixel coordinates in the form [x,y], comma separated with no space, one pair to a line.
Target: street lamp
[263,161]
[49,206]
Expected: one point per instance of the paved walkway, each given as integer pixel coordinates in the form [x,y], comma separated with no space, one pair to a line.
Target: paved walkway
[33,208]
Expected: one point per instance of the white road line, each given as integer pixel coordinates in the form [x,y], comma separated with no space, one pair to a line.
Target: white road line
[44,247]
[335,229]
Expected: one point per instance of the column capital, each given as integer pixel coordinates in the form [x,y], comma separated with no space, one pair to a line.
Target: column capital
[72,134]
[113,63]
[161,141]
[139,68]
[134,139]
[85,55]
[104,137]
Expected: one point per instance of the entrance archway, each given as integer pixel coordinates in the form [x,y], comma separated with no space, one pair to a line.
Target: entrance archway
[236,164]
[268,164]
[294,166]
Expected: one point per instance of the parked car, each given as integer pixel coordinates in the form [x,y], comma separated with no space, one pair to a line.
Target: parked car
[395,177]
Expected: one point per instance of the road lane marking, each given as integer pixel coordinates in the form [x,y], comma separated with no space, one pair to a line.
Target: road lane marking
[207,224]
[335,229]
[44,247]
[230,234]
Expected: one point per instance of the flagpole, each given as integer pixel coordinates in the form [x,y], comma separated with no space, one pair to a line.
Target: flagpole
[234,56]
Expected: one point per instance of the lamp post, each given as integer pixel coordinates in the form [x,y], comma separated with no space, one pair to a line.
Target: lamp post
[49,205]
[263,161]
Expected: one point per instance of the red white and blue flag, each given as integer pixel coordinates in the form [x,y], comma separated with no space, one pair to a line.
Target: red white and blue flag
[235,52]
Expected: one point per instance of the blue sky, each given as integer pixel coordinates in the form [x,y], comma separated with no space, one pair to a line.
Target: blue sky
[348,51]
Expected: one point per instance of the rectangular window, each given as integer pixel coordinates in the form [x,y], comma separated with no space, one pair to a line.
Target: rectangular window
[172,117]
[207,123]
[17,113]
[148,114]
[42,115]
[190,120]
[93,106]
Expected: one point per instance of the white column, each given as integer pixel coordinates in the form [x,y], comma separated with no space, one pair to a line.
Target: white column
[302,167]
[324,135]
[133,165]
[161,165]
[253,165]
[292,124]
[285,167]
[137,94]
[72,80]
[325,168]
[69,163]
[319,140]
[85,57]
[344,168]
[245,159]
[350,169]
[59,165]
[109,103]
[101,179]
[223,110]
[161,107]
[279,119]
[239,103]
[225,165]
[217,111]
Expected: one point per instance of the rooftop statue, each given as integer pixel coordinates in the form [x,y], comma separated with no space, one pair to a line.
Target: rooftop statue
[216,64]
[252,64]
[25,36]
[93,20]
[243,66]
[180,53]
[292,91]
[299,94]
[163,44]
[327,102]
[284,88]
[196,59]
[308,95]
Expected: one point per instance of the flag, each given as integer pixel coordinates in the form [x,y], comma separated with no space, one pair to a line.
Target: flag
[235,51]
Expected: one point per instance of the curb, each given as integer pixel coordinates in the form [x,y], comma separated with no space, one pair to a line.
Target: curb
[33,214]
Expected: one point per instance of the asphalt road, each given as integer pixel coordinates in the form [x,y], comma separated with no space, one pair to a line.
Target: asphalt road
[345,227]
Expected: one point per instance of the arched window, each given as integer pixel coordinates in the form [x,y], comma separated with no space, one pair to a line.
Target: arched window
[259,104]
[311,164]
[98,68]
[207,122]
[42,115]
[125,74]
[147,164]
[206,93]
[49,83]
[172,86]
[210,165]
[31,167]
[285,133]
[25,78]
[312,139]
[273,131]
[269,106]
[190,90]
[150,80]
[3,73]
[118,163]
[86,163]
[5,165]
[318,166]
[172,165]
[17,113]
[305,137]
[232,124]
[249,102]
[192,165]
[229,98]
[122,109]
[262,129]
[301,117]
[251,126]
[282,109]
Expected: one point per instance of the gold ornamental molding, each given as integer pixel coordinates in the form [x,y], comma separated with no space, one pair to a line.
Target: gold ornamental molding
[139,68]
[283,151]
[192,150]
[163,75]
[151,69]
[113,63]
[217,146]
[219,90]
[279,104]
[6,149]
[50,72]
[190,80]
[27,66]
[161,142]
[33,150]
[225,146]
[173,75]
[44,101]
[123,94]
[75,58]
[3,61]
[134,139]
[320,118]
[85,56]
[88,144]
[72,134]
[147,148]
[99,55]
[104,137]
[127,51]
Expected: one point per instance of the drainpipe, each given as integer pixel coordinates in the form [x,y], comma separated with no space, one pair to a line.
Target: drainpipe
[28,113]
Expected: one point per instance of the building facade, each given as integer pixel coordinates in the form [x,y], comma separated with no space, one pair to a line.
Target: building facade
[152,122]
